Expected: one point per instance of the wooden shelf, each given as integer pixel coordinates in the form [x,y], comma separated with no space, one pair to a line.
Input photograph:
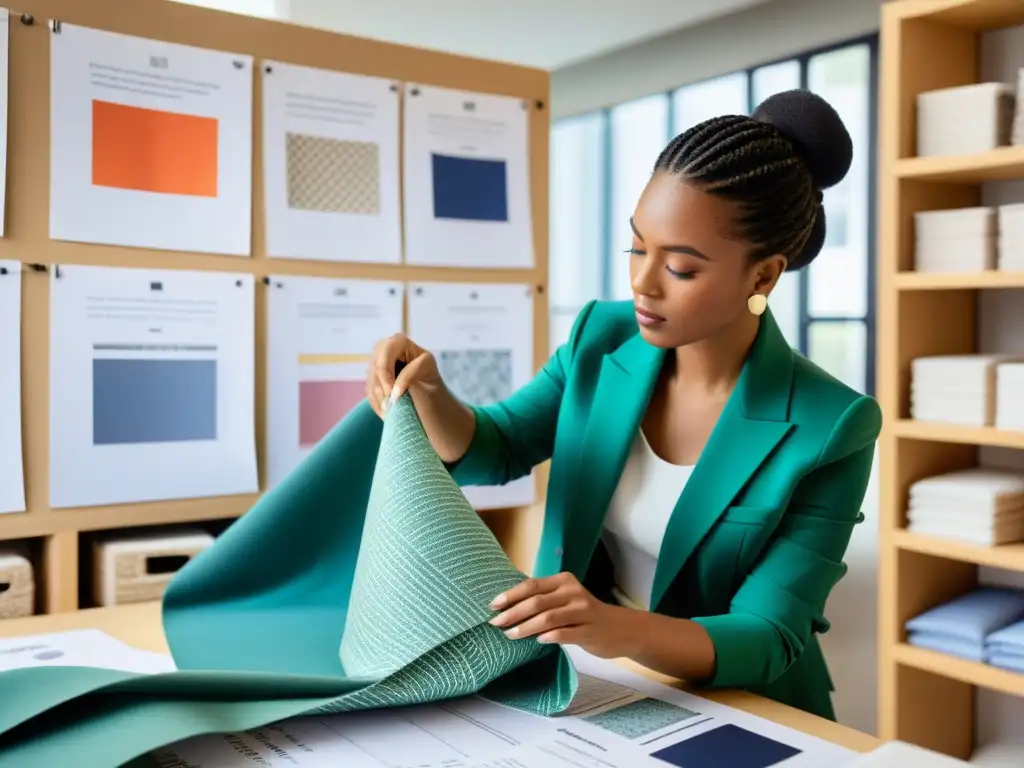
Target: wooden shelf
[935,281]
[954,433]
[1009,557]
[1002,164]
[977,15]
[972,672]
[28,525]
[927,698]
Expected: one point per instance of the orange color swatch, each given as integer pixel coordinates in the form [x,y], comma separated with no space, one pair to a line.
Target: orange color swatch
[153,151]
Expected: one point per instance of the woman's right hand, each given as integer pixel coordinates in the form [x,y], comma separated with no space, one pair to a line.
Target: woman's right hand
[420,372]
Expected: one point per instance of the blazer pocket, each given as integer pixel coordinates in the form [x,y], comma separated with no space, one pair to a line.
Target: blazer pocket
[746,515]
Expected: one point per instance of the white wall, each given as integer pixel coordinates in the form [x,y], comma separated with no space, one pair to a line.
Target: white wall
[268,9]
[756,36]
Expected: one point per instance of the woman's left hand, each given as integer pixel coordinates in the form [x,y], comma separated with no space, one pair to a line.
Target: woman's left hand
[558,609]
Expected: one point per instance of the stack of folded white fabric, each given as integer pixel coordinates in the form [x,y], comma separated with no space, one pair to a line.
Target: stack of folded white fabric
[955,389]
[1011,237]
[978,505]
[1010,396]
[1017,133]
[958,240]
[965,119]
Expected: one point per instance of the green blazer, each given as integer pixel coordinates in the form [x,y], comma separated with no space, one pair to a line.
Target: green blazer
[755,542]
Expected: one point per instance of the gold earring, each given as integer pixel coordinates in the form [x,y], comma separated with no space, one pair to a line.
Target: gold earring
[757,304]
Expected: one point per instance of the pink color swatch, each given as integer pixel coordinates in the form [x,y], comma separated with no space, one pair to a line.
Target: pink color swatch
[322,404]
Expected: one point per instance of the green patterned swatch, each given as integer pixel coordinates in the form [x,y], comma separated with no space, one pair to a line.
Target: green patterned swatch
[362,581]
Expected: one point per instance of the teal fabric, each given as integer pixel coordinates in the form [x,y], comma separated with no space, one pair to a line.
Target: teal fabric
[362,581]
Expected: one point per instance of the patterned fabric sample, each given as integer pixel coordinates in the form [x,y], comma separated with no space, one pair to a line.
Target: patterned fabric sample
[361,581]
[477,376]
[332,175]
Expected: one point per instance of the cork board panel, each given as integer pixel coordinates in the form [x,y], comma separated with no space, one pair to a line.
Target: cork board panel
[27,227]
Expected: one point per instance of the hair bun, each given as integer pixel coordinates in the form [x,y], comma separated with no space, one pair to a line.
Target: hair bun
[815,127]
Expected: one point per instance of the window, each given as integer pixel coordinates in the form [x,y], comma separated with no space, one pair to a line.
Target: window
[577,243]
[639,131]
[601,163]
[696,103]
[839,280]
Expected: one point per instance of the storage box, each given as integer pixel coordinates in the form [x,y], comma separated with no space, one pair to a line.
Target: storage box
[17,585]
[965,120]
[137,568]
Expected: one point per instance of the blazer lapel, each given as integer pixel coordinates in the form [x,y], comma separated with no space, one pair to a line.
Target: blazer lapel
[755,419]
[624,388]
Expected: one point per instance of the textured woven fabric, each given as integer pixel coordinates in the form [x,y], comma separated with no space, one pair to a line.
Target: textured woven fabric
[477,376]
[361,581]
[332,175]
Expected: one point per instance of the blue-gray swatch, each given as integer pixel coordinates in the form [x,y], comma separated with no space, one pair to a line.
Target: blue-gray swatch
[153,401]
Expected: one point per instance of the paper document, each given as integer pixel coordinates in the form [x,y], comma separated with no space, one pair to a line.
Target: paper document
[320,335]
[466,179]
[12,476]
[79,648]
[623,720]
[150,143]
[482,337]
[5,48]
[330,163]
[151,385]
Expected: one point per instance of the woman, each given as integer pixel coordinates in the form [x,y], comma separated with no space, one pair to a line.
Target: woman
[705,478]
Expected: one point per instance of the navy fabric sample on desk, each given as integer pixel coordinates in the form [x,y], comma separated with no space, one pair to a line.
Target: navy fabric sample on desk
[728,746]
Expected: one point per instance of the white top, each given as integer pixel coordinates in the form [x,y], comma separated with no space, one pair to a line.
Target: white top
[637,518]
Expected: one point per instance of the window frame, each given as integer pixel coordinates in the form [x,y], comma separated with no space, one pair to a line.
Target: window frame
[806,319]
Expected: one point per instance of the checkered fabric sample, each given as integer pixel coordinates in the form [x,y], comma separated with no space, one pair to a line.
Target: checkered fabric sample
[477,376]
[332,175]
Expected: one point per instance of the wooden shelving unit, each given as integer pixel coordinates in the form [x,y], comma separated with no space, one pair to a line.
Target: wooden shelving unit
[928,698]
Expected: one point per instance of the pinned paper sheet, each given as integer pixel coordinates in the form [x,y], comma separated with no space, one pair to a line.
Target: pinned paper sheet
[150,143]
[321,333]
[151,385]
[482,338]
[466,179]
[12,478]
[330,158]
[4,73]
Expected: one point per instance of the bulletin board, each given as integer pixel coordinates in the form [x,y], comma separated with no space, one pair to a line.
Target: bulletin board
[58,532]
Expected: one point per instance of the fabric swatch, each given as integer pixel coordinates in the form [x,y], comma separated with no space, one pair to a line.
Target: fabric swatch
[469,188]
[477,376]
[361,581]
[727,745]
[332,175]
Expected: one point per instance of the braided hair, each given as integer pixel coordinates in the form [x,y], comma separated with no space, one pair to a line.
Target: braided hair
[775,165]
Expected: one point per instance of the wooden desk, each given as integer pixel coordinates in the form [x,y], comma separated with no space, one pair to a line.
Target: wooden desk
[139,625]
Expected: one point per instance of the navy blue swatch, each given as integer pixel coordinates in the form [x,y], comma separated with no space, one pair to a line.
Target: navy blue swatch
[470,189]
[153,401]
[727,746]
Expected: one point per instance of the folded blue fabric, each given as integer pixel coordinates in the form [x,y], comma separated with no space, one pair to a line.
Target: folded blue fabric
[1014,662]
[972,617]
[944,643]
[1008,637]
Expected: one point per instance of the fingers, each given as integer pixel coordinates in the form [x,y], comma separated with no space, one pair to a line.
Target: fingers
[557,620]
[524,589]
[409,375]
[381,377]
[525,610]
